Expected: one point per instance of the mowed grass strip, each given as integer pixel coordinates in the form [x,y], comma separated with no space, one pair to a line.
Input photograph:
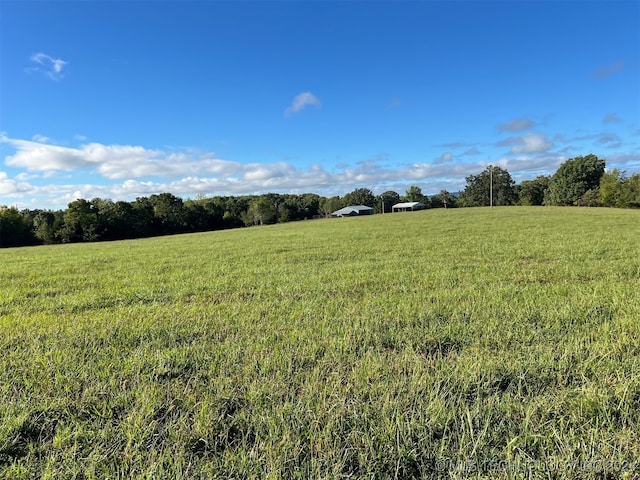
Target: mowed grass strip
[497,343]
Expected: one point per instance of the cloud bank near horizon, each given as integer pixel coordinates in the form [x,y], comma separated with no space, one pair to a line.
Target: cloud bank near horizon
[46,171]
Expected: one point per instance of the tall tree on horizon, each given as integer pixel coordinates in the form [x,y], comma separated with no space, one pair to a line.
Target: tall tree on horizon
[532,191]
[360,196]
[385,201]
[573,179]
[414,194]
[492,186]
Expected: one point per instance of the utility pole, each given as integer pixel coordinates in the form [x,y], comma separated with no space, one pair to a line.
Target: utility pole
[491,185]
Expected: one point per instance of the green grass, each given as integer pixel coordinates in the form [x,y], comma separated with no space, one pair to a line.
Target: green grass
[494,343]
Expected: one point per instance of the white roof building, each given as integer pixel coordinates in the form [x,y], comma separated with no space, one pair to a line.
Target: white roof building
[407,206]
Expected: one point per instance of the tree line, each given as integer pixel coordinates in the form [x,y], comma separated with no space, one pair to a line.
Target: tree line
[101,219]
[579,181]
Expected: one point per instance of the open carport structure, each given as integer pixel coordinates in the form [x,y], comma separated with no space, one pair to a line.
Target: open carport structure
[407,206]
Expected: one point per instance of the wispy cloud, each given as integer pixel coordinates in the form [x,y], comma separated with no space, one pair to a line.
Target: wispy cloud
[611,118]
[587,140]
[40,138]
[609,140]
[48,66]
[454,145]
[529,143]
[445,157]
[516,125]
[607,70]
[393,104]
[624,160]
[472,151]
[301,101]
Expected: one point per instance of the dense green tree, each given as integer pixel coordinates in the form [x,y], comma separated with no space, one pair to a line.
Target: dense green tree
[28,217]
[197,219]
[43,227]
[532,191]
[494,181]
[289,209]
[262,211]
[631,191]
[385,201]
[414,194]
[274,199]
[13,231]
[168,213]
[234,209]
[104,226]
[143,221]
[47,226]
[444,200]
[360,196]
[122,220]
[215,214]
[618,190]
[309,205]
[329,205]
[203,215]
[80,222]
[589,199]
[573,179]
[611,189]
[101,204]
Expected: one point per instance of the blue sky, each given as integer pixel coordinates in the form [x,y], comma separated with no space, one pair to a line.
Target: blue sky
[120,99]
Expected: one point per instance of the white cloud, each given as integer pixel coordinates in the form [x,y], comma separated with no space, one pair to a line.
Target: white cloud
[301,101]
[48,66]
[113,161]
[282,177]
[529,143]
[134,171]
[36,156]
[258,172]
[12,188]
[527,166]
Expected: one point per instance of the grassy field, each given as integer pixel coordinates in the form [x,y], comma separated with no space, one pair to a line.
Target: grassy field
[494,343]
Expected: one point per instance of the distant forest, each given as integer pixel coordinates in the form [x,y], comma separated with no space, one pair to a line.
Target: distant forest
[580,181]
